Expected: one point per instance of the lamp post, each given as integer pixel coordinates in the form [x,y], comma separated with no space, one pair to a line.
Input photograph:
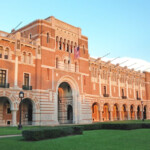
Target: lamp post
[142,111]
[21,96]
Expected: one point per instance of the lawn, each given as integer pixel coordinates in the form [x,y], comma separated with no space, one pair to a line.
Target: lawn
[14,130]
[90,140]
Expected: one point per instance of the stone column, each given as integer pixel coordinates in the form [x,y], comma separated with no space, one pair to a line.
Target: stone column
[111,116]
[129,115]
[135,115]
[120,116]
[56,108]
[101,116]
[14,117]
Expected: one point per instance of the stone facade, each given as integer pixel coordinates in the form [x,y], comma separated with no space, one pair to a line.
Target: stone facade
[38,59]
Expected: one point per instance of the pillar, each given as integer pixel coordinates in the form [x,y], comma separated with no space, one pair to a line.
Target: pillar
[129,115]
[120,116]
[56,108]
[111,116]
[101,116]
[14,117]
[135,115]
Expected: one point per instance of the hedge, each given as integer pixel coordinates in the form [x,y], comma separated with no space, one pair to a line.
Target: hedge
[48,133]
[59,131]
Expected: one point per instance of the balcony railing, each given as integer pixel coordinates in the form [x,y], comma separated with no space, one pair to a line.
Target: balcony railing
[25,87]
[124,97]
[138,98]
[106,95]
[4,85]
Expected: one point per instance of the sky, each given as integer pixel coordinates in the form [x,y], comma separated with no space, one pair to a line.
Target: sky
[118,27]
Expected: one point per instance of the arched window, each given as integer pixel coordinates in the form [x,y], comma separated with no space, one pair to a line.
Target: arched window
[6,53]
[1,51]
[30,36]
[56,62]
[30,58]
[60,44]
[24,57]
[47,37]
[65,64]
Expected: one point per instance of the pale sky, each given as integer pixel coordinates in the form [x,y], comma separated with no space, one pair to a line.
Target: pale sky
[121,27]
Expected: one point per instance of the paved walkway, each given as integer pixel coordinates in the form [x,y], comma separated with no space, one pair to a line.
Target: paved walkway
[6,136]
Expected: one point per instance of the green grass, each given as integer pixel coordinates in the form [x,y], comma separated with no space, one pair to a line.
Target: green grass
[90,140]
[14,130]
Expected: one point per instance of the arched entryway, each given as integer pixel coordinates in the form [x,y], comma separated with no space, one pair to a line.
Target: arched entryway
[144,112]
[124,112]
[26,111]
[65,103]
[132,115]
[106,112]
[138,112]
[5,111]
[115,112]
[95,112]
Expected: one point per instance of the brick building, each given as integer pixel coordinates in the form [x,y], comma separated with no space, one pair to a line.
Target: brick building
[38,59]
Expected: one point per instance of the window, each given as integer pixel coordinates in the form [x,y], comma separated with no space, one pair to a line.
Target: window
[26,79]
[47,37]
[1,51]
[67,47]
[30,36]
[75,66]
[6,53]
[30,58]
[8,110]
[47,73]
[2,77]
[122,92]
[137,94]
[24,57]
[104,89]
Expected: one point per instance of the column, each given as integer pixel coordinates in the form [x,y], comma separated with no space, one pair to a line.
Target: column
[56,108]
[120,116]
[14,117]
[110,84]
[101,116]
[135,115]
[128,115]
[16,72]
[111,116]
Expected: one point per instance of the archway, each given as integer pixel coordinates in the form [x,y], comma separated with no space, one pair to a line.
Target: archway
[124,113]
[138,113]
[106,112]
[132,115]
[5,111]
[65,103]
[115,112]
[95,112]
[27,111]
[144,112]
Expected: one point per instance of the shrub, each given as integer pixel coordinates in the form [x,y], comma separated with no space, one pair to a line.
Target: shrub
[48,133]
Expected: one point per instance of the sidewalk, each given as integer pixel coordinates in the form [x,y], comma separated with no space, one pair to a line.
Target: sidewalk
[6,136]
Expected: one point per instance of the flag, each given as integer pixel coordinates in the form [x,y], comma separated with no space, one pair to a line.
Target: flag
[76,52]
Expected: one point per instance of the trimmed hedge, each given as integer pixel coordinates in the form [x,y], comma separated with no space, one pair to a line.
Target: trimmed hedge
[60,131]
[48,133]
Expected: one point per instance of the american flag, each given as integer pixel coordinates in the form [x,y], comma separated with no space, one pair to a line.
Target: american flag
[76,52]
